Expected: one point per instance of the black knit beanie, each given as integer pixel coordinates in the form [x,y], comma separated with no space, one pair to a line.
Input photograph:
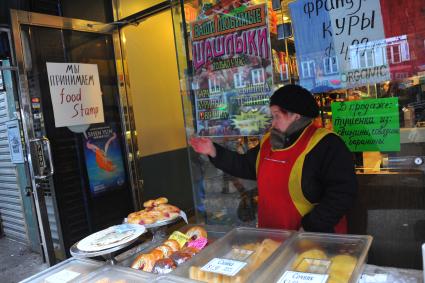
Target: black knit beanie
[296,99]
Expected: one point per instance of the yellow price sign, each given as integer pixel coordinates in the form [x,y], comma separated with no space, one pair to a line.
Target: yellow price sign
[248,122]
[181,238]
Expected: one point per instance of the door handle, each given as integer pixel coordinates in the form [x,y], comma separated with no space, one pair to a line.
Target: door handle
[49,154]
[40,144]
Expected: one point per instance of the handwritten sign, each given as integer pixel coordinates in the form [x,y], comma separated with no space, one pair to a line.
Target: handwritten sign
[359,42]
[224,266]
[75,92]
[368,125]
[301,277]
[339,44]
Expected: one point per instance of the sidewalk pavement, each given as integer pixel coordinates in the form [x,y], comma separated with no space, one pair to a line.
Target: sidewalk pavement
[17,261]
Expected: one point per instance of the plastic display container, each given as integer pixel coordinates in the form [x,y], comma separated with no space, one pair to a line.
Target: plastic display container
[316,257]
[117,274]
[70,270]
[174,279]
[236,256]
[214,233]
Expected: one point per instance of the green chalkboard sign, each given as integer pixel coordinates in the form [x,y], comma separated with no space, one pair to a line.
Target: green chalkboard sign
[368,125]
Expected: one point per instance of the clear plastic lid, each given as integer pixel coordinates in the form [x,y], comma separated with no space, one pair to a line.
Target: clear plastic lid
[330,258]
[174,279]
[236,256]
[70,270]
[213,233]
[117,274]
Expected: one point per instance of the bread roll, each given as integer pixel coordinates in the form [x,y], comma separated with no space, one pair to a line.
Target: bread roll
[173,244]
[144,262]
[196,232]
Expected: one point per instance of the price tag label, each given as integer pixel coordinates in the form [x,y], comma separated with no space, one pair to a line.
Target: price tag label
[63,276]
[224,266]
[179,237]
[199,243]
[302,277]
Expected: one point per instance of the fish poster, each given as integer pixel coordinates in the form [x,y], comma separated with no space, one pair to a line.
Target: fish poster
[104,159]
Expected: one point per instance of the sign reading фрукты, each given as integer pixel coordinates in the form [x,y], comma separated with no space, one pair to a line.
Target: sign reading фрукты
[75,92]
[368,125]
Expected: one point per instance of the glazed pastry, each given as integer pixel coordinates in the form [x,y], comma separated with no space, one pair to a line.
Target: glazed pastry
[157,254]
[173,244]
[144,262]
[145,220]
[159,201]
[164,266]
[264,250]
[342,266]
[148,203]
[165,249]
[190,250]
[180,257]
[155,210]
[196,232]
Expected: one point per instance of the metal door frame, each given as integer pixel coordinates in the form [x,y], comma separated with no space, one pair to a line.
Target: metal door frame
[19,18]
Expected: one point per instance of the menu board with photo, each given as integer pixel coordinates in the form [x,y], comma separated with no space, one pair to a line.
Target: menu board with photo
[232,70]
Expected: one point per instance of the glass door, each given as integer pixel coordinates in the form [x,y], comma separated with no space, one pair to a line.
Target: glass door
[82,175]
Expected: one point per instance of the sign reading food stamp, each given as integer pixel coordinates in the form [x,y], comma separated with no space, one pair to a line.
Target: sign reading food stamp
[75,93]
[368,125]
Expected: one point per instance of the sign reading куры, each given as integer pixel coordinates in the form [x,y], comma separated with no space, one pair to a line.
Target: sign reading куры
[368,125]
[75,92]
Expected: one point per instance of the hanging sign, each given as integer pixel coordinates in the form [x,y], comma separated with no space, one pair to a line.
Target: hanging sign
[232,70]
[75,92]
[368,125]
[339,44]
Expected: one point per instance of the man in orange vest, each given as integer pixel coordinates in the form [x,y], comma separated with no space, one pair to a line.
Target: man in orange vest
[305,174]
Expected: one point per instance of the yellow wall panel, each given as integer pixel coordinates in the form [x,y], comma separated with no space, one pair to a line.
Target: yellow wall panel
[129,7]
[154,84]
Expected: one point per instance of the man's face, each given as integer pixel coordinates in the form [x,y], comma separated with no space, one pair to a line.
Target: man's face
[282,119]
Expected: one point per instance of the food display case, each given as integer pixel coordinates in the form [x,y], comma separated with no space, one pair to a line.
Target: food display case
[236,256]
[117,274]
[241,254]
[174,279]
[214,233]
[70,270]
[327,258]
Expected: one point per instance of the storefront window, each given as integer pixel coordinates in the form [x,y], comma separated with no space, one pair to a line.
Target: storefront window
[364,61]
[308,68]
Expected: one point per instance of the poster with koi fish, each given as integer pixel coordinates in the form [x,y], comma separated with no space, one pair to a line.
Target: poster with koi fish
[104,162]
[232,69]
